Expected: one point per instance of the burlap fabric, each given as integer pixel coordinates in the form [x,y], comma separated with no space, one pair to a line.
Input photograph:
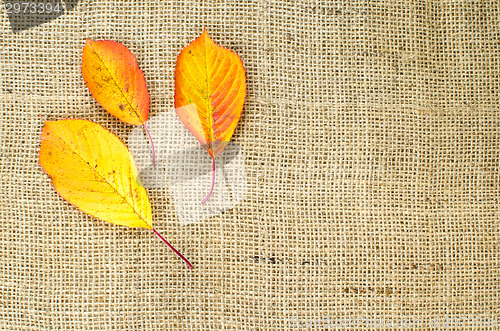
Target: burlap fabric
[370,137]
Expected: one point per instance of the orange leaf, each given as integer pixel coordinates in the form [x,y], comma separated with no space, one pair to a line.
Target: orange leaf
[210,91]
[113,77]
[92,169]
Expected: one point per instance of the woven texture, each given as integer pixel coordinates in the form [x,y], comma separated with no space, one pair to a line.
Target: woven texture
[370,138]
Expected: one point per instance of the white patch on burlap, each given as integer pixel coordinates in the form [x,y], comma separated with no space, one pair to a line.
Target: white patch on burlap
[185,168]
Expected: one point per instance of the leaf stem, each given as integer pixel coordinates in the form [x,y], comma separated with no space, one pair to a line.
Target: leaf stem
[213,182]
[152,145]
[172,248]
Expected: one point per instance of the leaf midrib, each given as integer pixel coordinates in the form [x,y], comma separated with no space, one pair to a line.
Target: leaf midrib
[209,102]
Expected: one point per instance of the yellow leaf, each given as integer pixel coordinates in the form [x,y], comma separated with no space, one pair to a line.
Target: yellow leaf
[91,168]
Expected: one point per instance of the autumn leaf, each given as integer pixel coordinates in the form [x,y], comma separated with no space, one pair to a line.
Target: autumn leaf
[113,77]
[210,91]
[92,169]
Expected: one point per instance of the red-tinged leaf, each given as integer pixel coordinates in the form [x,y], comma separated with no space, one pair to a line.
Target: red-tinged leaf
[210,91]
[113,77]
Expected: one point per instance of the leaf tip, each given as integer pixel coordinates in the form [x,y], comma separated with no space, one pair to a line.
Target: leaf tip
[88,42]
[46,124]
[204,34]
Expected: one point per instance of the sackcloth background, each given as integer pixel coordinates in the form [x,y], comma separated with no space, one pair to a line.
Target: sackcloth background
[371,143]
